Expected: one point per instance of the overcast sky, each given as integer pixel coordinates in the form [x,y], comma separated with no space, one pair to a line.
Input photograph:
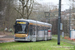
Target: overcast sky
[65,3]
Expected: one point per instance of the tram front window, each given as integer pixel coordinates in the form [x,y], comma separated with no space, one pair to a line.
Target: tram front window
[21,28]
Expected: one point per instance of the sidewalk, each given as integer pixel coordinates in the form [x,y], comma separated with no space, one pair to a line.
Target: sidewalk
[6,38]
[2,36]
[68,41]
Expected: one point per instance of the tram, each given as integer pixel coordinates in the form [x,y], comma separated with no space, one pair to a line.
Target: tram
[31,30]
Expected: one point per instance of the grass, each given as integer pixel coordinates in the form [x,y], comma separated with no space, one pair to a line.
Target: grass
[40,45]
[62,37]
[57,35]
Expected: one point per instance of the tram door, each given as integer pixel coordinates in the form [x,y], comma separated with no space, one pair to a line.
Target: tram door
[32,32]
[46,33]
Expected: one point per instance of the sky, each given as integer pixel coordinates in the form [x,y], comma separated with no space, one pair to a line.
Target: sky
[65,3]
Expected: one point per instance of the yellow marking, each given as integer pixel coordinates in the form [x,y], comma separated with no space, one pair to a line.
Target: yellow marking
[21,22]
[38,24]
[30,23]
[21,35]
[35,24]
[42,25]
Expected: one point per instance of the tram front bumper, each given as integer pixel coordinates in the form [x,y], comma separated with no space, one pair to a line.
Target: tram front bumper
[21,39]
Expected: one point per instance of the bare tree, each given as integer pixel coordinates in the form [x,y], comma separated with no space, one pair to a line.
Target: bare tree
[6,14]
[40,9]
[26,8]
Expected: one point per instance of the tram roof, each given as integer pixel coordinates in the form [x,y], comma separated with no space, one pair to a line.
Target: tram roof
[33,21]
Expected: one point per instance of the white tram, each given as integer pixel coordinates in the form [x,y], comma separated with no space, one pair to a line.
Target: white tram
[31,30]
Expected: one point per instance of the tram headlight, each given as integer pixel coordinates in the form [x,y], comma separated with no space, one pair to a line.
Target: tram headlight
[26,35]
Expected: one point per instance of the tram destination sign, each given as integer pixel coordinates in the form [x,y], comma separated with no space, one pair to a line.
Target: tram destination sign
[21,22]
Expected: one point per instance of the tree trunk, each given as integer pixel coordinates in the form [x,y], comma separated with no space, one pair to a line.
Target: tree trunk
[22,9]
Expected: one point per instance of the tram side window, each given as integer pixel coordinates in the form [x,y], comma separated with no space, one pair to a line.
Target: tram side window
[48,27]
[46,30]
[38,28]
[31,28]
[43,28]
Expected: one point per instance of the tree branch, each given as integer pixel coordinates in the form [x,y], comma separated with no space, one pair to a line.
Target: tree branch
[26,3]
[18,11]
[30,11]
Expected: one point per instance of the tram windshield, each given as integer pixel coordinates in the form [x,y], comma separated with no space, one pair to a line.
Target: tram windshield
[21,28]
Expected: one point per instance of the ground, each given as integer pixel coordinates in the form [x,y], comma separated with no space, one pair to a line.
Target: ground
[39,45]
[6,43]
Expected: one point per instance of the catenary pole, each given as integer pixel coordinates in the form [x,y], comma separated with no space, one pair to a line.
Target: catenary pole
[59,21]
[70,22]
